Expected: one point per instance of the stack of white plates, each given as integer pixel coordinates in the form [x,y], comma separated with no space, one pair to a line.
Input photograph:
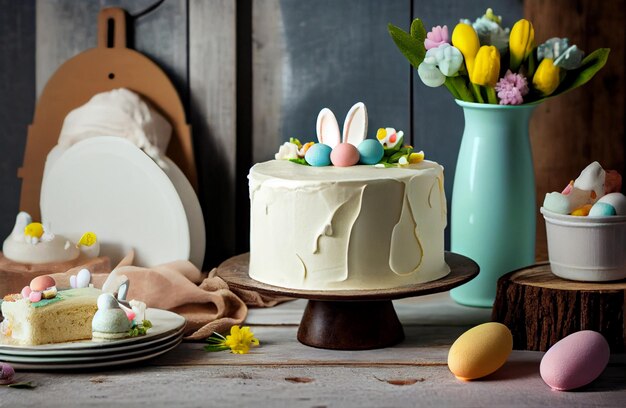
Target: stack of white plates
[111,187]
[165,334]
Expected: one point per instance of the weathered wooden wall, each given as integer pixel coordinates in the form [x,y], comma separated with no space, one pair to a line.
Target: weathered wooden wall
[254,73]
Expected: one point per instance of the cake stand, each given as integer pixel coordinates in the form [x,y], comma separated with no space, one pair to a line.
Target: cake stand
[350,319]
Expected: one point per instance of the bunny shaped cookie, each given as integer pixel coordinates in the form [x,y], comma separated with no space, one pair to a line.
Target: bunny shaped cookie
[344,150]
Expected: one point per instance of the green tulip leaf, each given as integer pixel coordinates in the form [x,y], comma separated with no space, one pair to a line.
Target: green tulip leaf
[590,66]
[410,47]
[418,31]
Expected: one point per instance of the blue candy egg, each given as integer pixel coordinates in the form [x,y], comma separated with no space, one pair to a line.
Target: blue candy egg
[602,209]
[371,151]
[318,155]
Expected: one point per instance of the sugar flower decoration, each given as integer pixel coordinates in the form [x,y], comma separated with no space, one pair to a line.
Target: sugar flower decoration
[439,63]
[521,43]
[489,30]
[429,73]
[547,77]
[287,151]
[559,50]
[511,88]
[238,341]
[449,59]
[464,38]
[436,37]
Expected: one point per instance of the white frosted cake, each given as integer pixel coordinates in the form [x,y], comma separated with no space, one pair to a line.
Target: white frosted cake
[346,228]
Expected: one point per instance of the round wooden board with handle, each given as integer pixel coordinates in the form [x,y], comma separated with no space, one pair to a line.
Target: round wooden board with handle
[540,308]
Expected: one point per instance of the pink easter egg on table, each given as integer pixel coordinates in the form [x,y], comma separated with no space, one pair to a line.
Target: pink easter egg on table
[344,155]
[575,360]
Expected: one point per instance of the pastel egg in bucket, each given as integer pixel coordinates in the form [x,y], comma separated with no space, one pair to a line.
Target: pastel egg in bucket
[591,248]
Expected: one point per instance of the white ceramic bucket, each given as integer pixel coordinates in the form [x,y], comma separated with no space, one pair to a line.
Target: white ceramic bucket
[591,249]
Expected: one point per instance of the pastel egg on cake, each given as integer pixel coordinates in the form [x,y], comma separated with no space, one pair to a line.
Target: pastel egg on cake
[344,155]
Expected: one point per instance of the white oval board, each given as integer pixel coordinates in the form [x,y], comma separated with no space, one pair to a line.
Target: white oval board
[195,219]
[109,186]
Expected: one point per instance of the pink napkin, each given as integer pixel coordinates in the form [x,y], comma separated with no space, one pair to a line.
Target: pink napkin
[205,301]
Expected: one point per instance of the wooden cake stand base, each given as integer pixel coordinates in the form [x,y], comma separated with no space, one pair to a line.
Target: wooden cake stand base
[540,308]
[350,319]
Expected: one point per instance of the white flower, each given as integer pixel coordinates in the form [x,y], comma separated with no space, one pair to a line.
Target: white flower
[287,151]
[139,308]
[449,59]
[430,74]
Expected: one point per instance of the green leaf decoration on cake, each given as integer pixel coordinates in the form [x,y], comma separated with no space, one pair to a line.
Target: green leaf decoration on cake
[300,160]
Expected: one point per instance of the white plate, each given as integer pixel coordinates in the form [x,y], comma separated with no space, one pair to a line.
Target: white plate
[161,344]
[102,351]
[97,364]
[163,322]
[109,186]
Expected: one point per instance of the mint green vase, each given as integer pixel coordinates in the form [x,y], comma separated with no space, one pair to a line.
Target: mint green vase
[493,198]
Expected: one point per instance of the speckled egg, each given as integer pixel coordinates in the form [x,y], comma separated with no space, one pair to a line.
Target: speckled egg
[344,155]
[616,200]
[41,283]
[318,155]
[575,360]
[371,151]
[480,351]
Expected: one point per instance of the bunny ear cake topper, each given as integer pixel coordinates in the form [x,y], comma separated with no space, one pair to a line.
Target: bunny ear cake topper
[354,127]
[327,128]
[350,147]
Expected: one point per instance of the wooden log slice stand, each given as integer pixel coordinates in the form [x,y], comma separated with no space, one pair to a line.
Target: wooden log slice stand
[540,308]
[350,319]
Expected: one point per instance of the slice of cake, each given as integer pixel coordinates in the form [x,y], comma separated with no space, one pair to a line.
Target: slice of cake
[41,315]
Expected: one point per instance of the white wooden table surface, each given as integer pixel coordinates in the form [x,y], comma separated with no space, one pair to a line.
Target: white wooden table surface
[284,373]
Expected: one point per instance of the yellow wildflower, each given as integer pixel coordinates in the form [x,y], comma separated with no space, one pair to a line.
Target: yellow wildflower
[464,38]
[547,77]
[521,42]
[238,341]
[486,66]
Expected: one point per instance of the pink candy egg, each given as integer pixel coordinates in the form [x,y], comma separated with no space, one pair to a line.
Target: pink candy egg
[575,360]
[41,283]
[344,155]
[26,292]
[34,297]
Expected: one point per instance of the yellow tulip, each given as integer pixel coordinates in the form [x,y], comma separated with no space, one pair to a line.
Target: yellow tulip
[486,67]
[547,77]
[464,38]
[521,42]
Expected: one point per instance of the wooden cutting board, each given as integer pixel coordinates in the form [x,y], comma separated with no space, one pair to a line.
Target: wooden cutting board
[109,66]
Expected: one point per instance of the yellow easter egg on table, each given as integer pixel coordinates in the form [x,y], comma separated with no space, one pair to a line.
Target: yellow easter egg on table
[34,229]
[88,239]
[480,351]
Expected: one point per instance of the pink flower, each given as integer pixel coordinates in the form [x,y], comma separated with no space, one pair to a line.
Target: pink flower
[512,88]
[437,36]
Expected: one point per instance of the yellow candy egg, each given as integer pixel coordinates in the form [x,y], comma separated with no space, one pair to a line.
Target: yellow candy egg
[88,239]
[480,351]
[34,230]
